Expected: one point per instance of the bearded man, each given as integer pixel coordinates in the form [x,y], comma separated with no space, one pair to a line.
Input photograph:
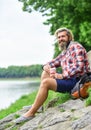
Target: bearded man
[74,63]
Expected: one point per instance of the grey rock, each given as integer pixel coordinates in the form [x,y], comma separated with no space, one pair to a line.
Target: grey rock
[71,115]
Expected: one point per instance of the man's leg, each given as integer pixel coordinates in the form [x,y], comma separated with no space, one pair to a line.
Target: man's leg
[46,85]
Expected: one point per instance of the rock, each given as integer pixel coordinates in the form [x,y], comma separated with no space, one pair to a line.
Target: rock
[52,102]
[71,115]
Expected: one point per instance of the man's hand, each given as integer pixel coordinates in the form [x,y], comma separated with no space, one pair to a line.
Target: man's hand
[57,76]
[47,68]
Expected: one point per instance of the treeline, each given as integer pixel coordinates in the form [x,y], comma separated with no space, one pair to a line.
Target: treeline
[73,14]
[21,71]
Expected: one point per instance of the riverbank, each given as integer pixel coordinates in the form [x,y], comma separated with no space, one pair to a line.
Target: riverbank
[13,89]
[37,79]
[56,115]
[29,99]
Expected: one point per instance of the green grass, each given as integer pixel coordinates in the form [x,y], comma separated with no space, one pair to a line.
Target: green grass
[29,99]
[24,100]
[88,100]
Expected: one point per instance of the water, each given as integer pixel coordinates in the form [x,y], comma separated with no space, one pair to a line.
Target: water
[10,91]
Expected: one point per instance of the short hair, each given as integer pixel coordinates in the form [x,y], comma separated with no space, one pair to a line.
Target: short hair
[69,33]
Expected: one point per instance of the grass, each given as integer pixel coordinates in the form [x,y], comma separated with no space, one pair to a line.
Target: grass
[24,100]
[88,100]
[29,99]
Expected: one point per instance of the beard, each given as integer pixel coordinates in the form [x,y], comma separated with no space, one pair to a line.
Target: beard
[63,46]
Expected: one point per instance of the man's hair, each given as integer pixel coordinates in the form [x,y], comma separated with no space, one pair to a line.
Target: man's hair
[69,33]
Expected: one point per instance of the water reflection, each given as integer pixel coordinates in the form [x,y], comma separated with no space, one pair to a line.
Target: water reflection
[10,91]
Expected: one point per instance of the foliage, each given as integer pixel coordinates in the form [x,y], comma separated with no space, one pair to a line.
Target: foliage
[88,100]
[21,71]
[74,14]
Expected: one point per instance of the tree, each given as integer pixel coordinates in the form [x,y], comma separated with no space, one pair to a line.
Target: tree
[74,14]
[21,71]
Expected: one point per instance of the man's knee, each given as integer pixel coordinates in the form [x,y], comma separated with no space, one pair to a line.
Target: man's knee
[49,84]
[45,83]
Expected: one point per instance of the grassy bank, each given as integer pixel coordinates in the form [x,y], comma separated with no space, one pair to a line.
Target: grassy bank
[29,99]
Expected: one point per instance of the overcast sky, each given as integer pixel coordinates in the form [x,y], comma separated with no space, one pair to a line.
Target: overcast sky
[24,40]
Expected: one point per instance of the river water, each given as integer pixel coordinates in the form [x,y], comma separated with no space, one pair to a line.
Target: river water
[10,90]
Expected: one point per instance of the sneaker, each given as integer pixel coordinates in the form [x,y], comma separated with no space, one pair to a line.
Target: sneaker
[22,119]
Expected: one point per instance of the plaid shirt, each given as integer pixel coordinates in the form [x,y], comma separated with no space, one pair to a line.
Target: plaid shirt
[73,61]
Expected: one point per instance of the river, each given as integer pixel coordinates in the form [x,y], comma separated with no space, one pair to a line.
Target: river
[11,90]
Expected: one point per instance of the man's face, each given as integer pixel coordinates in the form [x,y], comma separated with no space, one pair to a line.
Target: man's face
[63,40]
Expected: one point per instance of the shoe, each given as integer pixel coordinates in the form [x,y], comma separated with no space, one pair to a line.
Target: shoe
[22,119]
[39,110]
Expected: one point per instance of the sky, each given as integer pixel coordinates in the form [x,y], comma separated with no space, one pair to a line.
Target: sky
[24,40]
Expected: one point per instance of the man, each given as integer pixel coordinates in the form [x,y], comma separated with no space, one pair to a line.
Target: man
[74,63]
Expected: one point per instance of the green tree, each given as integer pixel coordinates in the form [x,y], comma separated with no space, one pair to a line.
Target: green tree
[21,71]
[74,14]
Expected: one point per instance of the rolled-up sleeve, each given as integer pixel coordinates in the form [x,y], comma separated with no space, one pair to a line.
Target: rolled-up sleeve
[55,62]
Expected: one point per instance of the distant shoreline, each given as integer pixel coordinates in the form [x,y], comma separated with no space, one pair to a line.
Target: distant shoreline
[26,78]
